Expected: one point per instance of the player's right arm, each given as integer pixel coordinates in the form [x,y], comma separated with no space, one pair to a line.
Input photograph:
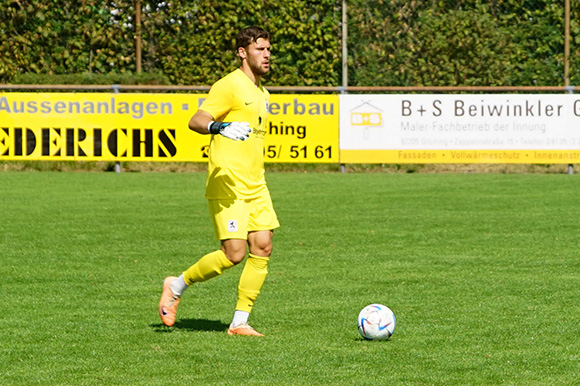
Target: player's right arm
[203,123]
[200,122]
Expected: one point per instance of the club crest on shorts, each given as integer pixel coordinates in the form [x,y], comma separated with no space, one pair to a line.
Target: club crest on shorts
[232,225]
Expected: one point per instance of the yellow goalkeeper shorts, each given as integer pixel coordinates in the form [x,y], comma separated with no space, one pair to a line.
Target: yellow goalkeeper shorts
[234,219]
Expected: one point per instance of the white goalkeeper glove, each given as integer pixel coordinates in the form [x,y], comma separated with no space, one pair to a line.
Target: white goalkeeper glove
[232,130]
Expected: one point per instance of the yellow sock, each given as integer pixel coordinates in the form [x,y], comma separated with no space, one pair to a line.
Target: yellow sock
[211,265]
[251,281]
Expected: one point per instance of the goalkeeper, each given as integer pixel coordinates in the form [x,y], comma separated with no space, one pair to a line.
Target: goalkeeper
[234,114]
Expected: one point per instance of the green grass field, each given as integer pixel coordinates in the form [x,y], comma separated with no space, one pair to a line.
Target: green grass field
[482,272]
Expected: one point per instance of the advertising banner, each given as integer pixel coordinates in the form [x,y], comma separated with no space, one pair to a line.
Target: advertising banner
[152,127]
[303,128]
[460,128]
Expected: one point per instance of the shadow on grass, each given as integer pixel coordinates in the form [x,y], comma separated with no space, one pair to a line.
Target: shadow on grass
[192,325]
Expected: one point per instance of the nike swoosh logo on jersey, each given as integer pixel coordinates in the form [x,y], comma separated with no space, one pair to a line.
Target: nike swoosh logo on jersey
[249,103]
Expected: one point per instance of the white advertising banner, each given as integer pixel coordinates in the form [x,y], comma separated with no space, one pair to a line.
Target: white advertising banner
[460,128]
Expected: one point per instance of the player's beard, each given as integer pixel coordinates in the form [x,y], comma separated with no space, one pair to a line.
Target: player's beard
[258,67]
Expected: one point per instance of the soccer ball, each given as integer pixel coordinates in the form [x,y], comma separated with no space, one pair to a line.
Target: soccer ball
[376,322]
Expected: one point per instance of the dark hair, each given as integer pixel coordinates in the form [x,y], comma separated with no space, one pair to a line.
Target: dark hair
[249,35]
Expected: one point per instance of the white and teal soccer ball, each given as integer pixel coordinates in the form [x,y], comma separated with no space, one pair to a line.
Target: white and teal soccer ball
[376,322]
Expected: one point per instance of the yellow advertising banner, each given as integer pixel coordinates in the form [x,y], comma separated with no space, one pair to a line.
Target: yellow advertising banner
[303,128]
[152,127]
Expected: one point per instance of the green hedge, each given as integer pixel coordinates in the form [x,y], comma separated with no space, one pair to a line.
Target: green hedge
[390,42]
[462,43]
[126,78]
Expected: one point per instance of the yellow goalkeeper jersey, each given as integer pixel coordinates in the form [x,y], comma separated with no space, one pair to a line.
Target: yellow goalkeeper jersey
[236,168]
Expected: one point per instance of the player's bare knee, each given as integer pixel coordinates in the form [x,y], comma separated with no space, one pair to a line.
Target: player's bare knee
[260,243]
[235,257]
[235,250]
[267,251]
[264,250]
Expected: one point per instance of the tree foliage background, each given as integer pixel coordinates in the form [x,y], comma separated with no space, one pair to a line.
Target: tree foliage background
[390,42]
